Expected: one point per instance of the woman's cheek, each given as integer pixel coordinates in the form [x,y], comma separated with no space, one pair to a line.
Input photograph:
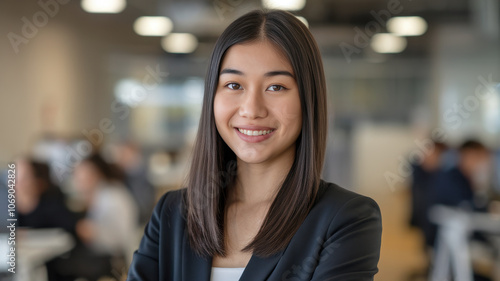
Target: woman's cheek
[224,107]
[291,112]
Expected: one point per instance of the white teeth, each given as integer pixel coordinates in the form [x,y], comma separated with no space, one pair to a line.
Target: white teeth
[254,133]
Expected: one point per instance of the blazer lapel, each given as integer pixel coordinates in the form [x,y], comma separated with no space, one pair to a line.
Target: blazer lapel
[260,268]
[194,267]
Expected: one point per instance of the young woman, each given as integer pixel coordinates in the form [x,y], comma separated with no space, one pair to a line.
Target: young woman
[255,207]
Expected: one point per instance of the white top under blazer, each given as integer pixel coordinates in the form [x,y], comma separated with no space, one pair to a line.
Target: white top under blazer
[226,273]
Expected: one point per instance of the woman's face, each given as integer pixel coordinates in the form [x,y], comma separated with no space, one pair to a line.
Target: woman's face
[257,105]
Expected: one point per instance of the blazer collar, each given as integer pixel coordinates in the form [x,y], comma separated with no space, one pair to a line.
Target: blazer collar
[260,268]
[196,268]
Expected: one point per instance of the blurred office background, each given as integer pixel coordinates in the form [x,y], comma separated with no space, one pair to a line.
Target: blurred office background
[78,77]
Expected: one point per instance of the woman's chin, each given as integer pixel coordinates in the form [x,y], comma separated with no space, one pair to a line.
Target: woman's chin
[251,159]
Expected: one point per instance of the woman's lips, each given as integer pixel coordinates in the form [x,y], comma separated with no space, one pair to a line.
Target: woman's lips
[254,135]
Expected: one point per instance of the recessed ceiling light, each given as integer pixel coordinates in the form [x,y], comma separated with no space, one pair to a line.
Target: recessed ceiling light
[407,26]
[388,43]
[181,43]
[303,20]
[104,6]
[153,26]
[290,5]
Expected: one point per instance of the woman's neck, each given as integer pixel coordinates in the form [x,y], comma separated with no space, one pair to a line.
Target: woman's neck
[259,183]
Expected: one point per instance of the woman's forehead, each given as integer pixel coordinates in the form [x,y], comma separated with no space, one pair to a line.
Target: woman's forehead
[259,55]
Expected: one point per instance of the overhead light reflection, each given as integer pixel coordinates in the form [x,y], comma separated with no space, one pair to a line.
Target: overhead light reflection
[153,26]
[180,43]
[407,26]
[303,20]
[388,43]
[104,6]
[290,5]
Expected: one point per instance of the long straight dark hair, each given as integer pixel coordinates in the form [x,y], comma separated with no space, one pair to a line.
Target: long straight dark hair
[213,167]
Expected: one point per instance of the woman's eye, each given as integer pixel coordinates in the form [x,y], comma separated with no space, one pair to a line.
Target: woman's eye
[276,88]
[234,86]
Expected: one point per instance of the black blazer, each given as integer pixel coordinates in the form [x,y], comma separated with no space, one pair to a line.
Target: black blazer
[339,240]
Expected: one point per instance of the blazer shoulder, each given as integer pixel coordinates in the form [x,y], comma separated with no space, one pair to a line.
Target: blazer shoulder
[334,195]
[337,201]
[171,203]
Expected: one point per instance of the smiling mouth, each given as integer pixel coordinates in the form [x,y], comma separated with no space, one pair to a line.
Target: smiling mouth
[255,132]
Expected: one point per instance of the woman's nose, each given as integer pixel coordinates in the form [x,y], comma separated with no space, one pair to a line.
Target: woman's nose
[253,105]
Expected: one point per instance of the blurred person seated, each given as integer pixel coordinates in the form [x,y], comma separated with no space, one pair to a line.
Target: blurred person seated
[106,232]
[424,177]
[111,210]
[39,202]
[466,185]
[469,186]
[423,181]
[494,194]
[128,157]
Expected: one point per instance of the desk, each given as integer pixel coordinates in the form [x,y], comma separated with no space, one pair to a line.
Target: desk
[35,247]
[455,228]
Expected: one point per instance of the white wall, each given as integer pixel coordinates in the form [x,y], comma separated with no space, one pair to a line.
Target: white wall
[378,150]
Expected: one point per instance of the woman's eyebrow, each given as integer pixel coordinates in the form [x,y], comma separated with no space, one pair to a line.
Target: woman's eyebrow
[231,71]
[279,72]
[268,74]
